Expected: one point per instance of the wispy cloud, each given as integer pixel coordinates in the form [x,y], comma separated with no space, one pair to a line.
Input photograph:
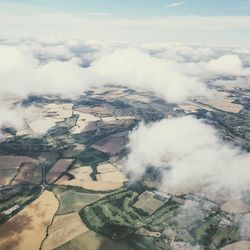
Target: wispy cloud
[176,4]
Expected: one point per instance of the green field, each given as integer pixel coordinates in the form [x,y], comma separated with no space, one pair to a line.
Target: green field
[92,240]
[72,201]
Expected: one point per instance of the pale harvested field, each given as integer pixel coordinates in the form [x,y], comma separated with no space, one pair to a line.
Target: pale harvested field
[113,118]
[235,206]
[51,114]
[106,167]
[93,185]
[85,123]
[138,98]
[59,111]
[24,131]
[225,105]
[81,175]
[223,101]
[189,108]
[42,125]
[58,168]
[144,232]
[109,94]
[83,126]
[96,110]
[27,229]
[115,176]
[86,117]
[64,229]
[241,245]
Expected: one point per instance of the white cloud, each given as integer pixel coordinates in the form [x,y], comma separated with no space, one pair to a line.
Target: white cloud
[192,156]
[133,68]
[23,75]
[176,4]
[16,116]
[221,66]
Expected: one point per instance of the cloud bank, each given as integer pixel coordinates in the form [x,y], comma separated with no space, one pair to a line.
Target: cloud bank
[191,156]
[175,73]
[24,75]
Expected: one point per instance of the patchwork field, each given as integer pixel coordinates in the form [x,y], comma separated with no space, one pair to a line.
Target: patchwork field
[27,229]
[58,168]
[63,229]
[81,175]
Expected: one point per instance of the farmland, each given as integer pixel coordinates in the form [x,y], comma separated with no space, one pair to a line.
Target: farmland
[30,223]
[63,229]
[67,188]
[72,200]
[57,169]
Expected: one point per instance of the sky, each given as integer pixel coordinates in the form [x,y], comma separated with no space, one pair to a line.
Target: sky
[203,22]
[145,8]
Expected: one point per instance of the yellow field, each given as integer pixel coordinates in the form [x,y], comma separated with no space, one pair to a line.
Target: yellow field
[64,229]
[81,174]
[106,167]
[105,181]
[144,232]
[115,176]
[93,185]
[85,122]
[27,229]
